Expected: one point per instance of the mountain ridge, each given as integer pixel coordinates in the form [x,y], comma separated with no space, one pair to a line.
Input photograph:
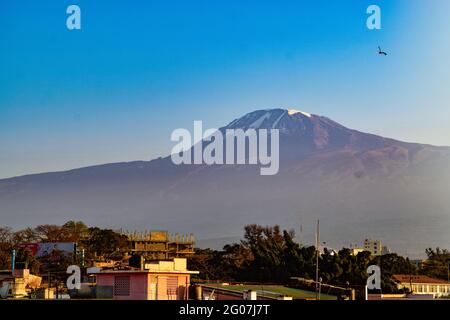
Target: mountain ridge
[232,125]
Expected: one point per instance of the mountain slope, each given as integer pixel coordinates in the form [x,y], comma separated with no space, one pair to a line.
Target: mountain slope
[359,185]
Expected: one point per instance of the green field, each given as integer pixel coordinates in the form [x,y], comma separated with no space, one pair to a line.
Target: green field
[274,291]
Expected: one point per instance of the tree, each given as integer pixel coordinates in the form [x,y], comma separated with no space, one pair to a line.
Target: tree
[214,265]
[6,246]
[267,246]
[437,264]
[25,256]
[71,231]
[75,231]
[50,233]
[27,235]
[104,242]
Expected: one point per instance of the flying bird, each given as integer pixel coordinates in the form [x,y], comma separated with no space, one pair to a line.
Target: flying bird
[381,52]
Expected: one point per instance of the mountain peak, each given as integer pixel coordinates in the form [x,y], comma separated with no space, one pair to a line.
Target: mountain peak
[295,111]
[287,120]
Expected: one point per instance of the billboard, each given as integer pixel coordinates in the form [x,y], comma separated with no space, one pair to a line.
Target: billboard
[45,248]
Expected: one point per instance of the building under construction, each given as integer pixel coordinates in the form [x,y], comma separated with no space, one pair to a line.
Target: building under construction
[159,245]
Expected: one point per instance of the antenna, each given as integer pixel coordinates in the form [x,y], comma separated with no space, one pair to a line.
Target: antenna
[300,235]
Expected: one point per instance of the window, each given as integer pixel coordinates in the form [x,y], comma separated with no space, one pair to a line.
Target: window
[122,285]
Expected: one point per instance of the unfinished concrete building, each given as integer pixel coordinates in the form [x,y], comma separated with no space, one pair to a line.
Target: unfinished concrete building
[160,245]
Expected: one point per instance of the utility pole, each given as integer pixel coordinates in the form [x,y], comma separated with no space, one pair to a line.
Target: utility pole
[317,260]
[448,270]
[320,286]
[300,238]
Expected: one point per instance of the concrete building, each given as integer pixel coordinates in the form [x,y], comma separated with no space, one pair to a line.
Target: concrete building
[162,280]
[355,251]
[18,284]
[375,247]
[423,285]
[159,245]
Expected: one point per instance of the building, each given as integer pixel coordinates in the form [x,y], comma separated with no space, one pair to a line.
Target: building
[375,247]
[422,285]
[355,251]
[323,248]
[159,245]
[162,280]
[17,283]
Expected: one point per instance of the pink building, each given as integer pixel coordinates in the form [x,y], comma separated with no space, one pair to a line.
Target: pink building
[163,280]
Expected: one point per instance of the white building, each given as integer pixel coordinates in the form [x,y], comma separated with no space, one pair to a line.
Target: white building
[375,247]
[422,285]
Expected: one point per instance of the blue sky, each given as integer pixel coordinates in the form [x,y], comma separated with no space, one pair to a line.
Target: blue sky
[137,70]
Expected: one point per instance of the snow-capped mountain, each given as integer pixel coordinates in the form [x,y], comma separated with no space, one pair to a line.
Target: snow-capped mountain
[319,143]
[288,121]
[321,131]
[360,185]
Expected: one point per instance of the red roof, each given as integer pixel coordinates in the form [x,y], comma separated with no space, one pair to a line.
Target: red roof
[406,278]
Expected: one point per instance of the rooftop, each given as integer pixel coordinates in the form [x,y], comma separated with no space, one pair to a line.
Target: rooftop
[405,278]
[144,271]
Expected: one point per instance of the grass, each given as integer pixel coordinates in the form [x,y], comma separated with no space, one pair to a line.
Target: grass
[275,290]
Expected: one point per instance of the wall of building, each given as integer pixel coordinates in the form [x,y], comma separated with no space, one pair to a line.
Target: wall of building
[146,286]
[437,290]
[172,286]
[137,284]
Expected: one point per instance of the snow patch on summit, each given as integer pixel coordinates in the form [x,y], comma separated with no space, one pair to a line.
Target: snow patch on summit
[293,111]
